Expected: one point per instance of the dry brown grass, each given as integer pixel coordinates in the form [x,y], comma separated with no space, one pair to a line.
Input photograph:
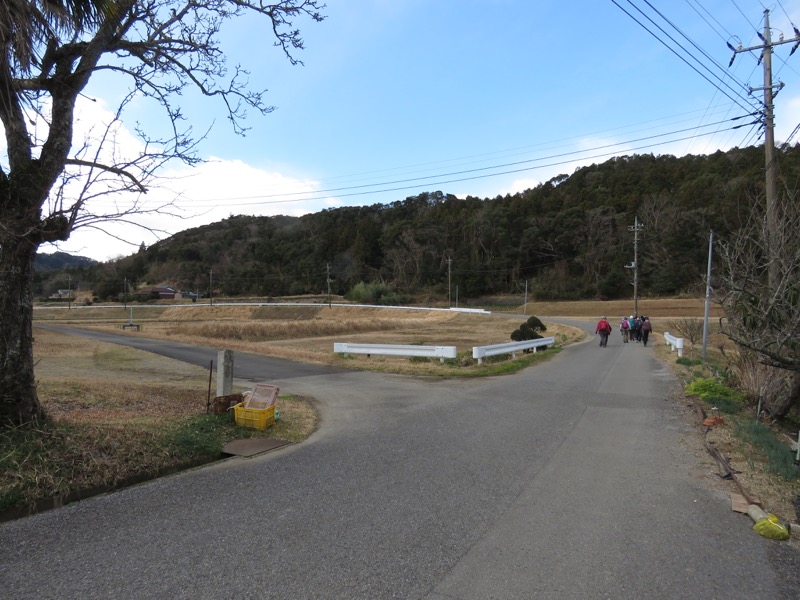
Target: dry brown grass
[310,332]
[118,415]
[94,382]
[652,307]
[107,384]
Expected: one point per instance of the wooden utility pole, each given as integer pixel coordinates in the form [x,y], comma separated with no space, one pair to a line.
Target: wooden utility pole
[708,295]
[328,278]
[770,172]
[449,263]
[635,264]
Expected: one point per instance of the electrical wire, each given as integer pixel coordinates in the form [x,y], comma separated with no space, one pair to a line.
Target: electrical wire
[572,159]
[706,20]
[691,66]
[510,152]
[687,38]
[478,169]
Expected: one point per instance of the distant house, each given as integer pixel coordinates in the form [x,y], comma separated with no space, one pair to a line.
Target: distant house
[62,294]
[159,292]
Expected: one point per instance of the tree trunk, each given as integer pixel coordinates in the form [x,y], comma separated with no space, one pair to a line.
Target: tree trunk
[19,402]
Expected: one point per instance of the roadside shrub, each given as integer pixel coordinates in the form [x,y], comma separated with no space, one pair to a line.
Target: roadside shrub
[757,379]
[725,405]
[376,293]
[708,387]
[688,362]
[529,330]
[463,359]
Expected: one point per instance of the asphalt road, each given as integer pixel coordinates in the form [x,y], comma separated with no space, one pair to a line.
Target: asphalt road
[251,367]
[571,479]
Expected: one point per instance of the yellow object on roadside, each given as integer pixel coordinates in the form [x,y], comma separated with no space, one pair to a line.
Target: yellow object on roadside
[772,528]
[255,418]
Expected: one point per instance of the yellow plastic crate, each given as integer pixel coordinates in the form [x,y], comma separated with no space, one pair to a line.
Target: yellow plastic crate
[255,418]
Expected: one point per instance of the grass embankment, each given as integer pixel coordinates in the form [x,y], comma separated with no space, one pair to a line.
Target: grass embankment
[756,447]
[117,415]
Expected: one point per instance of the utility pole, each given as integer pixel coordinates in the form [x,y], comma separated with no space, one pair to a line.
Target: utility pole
[771,185]
[708,295]
[635,264]
[328,278]
[69,292]
[211,287]
[525,305]
[449,263]
[125,292]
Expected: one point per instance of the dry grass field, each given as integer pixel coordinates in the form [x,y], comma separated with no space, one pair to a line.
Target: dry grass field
[103,384]
[307,333]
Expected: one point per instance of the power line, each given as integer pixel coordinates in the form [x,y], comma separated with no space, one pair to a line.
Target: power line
[703,52]
[709,24]
[690,65]
[667,120]
[471,178]
[466,160]
[475,170]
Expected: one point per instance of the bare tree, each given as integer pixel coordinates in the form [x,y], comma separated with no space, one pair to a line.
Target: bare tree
[760,317]
[688,328]
[49,51]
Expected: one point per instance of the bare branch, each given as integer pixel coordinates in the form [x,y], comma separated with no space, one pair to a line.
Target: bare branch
[110,169]
[763,319]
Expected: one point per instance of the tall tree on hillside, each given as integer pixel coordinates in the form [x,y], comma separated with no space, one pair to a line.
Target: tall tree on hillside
[49,52]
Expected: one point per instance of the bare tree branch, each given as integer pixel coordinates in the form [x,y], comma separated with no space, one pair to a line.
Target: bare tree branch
[51,183]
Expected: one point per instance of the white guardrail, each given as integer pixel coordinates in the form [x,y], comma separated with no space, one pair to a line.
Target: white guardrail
[440,352]
[481,352]
[674,343]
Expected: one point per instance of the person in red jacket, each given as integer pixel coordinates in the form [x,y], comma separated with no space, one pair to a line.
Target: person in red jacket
[603,328]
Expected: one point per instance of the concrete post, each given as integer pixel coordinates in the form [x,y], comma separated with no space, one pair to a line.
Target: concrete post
[224,372]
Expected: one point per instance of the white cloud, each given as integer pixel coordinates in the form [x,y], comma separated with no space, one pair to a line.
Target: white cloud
[203,194]
[518,185]
[198,195]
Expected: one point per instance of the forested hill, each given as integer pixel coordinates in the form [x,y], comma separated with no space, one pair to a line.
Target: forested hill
[568,238]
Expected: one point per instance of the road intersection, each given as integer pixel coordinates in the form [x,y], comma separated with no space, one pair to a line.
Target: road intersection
[572,479]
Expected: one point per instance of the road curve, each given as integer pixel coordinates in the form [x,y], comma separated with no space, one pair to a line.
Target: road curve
[250,367]
[571,479]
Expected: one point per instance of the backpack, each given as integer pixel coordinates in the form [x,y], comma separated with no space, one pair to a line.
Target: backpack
[624,324]
[605,326]
[646,326]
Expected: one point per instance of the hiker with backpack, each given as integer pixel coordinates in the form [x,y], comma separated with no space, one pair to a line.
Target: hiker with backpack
[647,328]
[603,328]
[636,332]
[624,329]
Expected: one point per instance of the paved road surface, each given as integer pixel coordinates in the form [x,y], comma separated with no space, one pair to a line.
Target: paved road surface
[569,480]
[251,367]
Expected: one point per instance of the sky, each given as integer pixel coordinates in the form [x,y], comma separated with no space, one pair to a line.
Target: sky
[469,97]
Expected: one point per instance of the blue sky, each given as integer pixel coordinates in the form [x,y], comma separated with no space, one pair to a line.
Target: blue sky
[425,93]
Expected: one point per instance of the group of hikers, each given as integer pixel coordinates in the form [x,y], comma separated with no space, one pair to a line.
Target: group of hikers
[632,328]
